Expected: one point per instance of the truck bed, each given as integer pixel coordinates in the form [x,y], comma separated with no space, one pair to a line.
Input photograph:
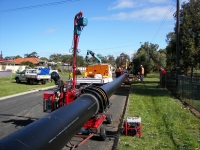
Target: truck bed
[91,80]
[38,77]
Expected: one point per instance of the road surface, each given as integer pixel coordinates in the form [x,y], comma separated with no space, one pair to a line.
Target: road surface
[19,111]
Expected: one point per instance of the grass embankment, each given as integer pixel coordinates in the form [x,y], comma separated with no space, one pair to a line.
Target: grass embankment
[166,123]
[8,86]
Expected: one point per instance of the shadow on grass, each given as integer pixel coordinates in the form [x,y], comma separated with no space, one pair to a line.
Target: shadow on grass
[25,83]
[148,88]
[145,82]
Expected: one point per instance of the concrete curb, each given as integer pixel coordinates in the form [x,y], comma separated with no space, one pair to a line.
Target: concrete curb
[36,90]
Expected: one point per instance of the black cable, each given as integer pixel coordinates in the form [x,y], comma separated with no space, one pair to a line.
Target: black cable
[163,21]
[37,6]
[116,47]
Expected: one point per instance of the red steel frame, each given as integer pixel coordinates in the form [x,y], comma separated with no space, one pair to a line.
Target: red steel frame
[127,128]
[77,16]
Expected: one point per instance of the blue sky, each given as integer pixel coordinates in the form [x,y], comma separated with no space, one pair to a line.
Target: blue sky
[114,26]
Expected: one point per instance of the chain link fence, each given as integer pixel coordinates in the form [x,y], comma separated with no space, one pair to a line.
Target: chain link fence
[185,88]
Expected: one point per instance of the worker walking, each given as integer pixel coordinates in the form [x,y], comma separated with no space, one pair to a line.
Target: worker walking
[141,73]
[118,72]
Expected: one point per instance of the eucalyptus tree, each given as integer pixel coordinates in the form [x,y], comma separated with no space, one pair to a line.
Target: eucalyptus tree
[121,60]
[55,57]
[33,54]
[150,57]
[190,35]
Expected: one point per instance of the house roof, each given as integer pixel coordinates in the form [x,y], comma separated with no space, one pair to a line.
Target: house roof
[20,60]
[5,61]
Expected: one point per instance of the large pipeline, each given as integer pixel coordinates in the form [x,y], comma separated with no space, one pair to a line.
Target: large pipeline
[54,130]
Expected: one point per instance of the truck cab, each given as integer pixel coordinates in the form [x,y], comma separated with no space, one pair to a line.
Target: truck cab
[20,76]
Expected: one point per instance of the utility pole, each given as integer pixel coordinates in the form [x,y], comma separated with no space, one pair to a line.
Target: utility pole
[177,41]
[148,51]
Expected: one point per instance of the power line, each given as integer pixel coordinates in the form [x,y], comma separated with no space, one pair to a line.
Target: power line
[37,6]
[116,47]
[158,30]
[163,21]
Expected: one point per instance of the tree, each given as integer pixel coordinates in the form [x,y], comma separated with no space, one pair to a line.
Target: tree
[190,35]
[150,57]
[111,60]
[18,56]
[121,60]
[55,57]
[28,63]
[189,44]
[171,51]
[81,61]
[33,54]
[44,58]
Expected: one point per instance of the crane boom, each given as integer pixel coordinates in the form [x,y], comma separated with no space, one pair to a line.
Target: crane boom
[79,23]
[93,55]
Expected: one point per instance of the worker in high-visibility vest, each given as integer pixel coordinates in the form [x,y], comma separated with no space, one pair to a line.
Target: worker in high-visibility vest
[141,73]
[162,76]
[163,71]
[70,75]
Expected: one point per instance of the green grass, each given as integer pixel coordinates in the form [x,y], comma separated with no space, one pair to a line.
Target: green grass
[166,123]
[8,86]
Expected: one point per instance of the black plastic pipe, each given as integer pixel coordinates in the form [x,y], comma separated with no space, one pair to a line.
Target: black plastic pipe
[111,87]
[53,131]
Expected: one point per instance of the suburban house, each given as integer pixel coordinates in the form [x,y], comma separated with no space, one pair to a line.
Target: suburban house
[33,60]
[14,65]
[5,62]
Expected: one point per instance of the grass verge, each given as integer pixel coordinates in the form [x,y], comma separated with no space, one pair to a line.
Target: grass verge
[8,86]
[166,123]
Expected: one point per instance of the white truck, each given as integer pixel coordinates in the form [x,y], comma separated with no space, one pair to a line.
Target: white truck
[32,76]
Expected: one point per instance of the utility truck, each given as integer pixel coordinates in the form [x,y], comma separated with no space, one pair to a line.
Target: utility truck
[32,76]
[99,73]
[96,74]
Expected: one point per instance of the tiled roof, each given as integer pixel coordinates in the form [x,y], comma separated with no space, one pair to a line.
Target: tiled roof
[20,60]
[5,61]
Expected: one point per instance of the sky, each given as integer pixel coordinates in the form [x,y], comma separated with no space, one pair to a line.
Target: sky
[114,26]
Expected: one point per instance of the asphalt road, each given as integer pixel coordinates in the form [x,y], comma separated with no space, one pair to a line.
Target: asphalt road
[19,111]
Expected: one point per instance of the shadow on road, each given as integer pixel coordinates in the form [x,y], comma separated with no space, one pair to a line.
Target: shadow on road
[19,121]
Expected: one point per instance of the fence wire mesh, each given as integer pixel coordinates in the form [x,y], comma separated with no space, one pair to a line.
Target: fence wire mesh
[185,88]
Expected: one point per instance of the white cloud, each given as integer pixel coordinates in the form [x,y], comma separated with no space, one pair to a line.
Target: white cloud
[121,4]
[148,14]
[158,1]
[51,30]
